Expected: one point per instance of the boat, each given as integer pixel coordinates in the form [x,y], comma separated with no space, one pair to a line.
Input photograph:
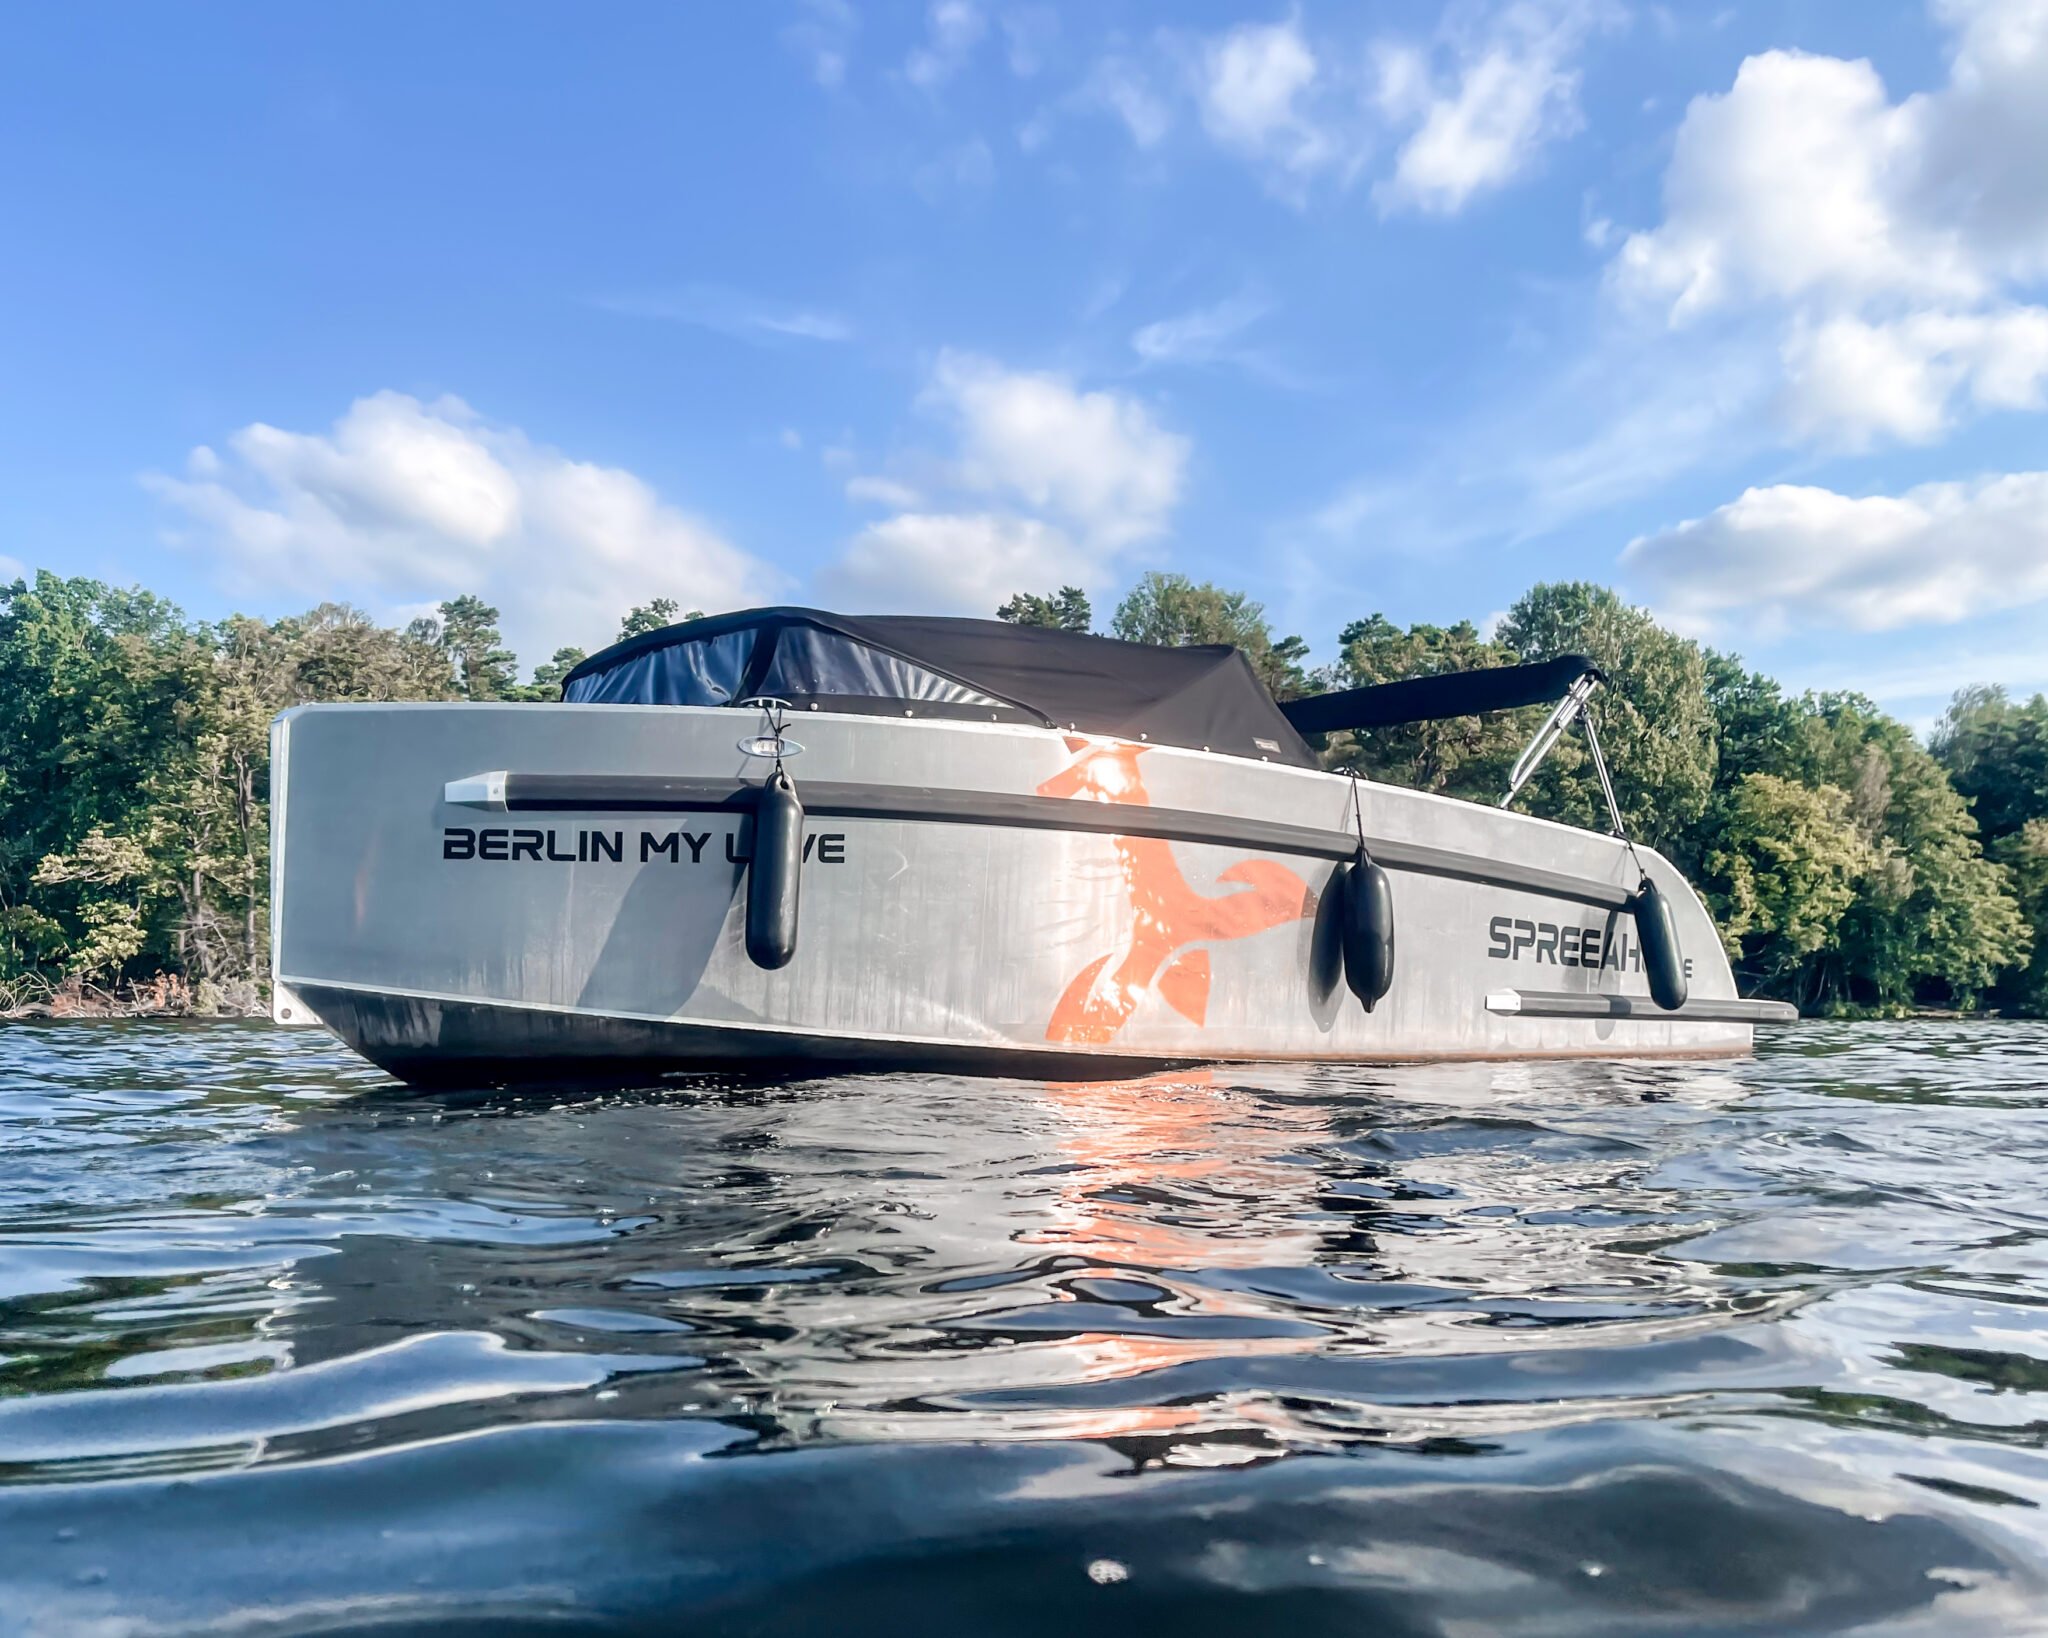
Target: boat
[786,840]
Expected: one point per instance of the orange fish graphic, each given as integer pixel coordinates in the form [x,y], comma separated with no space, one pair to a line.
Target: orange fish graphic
[1168,914]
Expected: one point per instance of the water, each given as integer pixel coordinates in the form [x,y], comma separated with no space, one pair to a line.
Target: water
[1755,1346]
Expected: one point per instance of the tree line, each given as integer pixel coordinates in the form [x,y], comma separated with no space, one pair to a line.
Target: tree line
[1848,865]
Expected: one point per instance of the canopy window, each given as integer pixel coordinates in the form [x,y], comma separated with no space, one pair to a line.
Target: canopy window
[1201,698]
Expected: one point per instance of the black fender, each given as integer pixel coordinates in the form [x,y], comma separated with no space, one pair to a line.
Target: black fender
[774,873]
[1657,933]
[1368,929]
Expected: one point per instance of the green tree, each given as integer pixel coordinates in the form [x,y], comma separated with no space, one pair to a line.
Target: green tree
[1653,719]
[336,652]
[2024,854]
[1458,756]
[652,616]
[1756,728]
[1784,866]
[1176,612]
[105,891]
[547,679]
[1067,609]
[1997,753]
[1934,919]
[484,668]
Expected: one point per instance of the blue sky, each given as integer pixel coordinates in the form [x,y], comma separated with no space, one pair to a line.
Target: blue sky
[1742,309]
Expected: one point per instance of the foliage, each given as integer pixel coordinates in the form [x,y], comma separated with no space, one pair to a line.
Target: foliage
[548,679]
[1652,717]
[1067,609]
[1757,729]
[1172,609]
[1997,754]
[1934,914]
[111,880]
[1784,867]
[1460,756]
[2024,853]
[484,670]
[652,616]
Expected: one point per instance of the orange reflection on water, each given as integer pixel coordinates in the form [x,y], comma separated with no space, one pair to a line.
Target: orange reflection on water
[1176,1174]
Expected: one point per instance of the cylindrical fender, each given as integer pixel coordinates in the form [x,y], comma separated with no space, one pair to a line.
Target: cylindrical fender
[1658,935]
[1368,925]
[774,873]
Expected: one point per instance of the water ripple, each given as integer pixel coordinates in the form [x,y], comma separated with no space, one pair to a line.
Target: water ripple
[1554,1348]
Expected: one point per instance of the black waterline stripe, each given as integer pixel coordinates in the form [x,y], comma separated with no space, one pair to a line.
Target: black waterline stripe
[830,799]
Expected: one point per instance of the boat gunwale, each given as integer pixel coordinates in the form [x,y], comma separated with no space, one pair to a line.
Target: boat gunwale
[846,799]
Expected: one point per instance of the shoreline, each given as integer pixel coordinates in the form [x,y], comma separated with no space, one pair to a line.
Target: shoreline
[165,996]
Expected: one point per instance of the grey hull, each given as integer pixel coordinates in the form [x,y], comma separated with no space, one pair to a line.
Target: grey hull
[465,1043]
[490,893]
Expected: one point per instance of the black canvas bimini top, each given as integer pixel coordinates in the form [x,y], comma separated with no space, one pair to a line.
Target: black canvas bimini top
[1448,694]
[1204,698]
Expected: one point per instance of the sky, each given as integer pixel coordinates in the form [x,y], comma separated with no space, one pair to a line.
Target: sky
[1361,308]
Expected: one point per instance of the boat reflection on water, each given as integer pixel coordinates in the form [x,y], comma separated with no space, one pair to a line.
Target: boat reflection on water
[1398,1348]
[1130,1261]
[1171,1189]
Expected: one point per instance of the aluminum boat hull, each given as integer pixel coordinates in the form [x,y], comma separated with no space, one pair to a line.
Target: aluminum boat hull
[498,892]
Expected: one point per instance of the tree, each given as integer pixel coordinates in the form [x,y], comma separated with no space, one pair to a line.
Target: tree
[1997,753]
[336,652]
[1756,728]
[1784,867]
[2024,853]
[111,883]
[1652,717]
[1933,918]
[484,670]
[547,679]
[652,616]
[1176,612]
[1460,756]
[1066,610]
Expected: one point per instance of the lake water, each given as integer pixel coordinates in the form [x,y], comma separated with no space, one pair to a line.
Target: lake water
[1751,1346]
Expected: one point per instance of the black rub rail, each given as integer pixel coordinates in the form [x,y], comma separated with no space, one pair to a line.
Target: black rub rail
[830,799]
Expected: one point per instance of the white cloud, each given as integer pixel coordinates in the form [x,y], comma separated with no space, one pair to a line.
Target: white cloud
[1892,238]
[1980,167]
[1097,459]
[1117,85]
[1509,90]
[1475,104]
[1200,336]
[824,33]
[880,491]
[731,313]
[1849,381]
[1046,484]
[953,28]
[1253,80]
[404,502]
[955,563]
[1788,185]
[1125,91]
[1792,555]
